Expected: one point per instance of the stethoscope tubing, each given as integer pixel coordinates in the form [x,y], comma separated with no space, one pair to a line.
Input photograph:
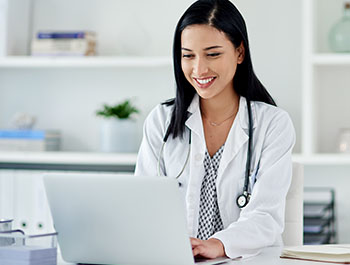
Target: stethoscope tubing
[186,161]
[249,155]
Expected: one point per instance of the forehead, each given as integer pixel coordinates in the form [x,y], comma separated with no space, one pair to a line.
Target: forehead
[202,36]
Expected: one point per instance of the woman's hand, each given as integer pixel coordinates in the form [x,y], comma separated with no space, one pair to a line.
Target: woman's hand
[211,248]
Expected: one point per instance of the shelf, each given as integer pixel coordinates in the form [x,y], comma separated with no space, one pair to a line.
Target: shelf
[324,59]
[83,62]
[130,158]
[68,158]
[323,159]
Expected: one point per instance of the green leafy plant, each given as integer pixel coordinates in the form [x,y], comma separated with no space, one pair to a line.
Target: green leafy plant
[121,111]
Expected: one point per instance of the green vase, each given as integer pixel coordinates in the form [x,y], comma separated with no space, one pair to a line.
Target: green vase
[339,36]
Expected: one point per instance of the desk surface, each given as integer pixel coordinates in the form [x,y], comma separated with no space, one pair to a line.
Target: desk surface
[269,256]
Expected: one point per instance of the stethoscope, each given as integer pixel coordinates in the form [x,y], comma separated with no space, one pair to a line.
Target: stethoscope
[243,199]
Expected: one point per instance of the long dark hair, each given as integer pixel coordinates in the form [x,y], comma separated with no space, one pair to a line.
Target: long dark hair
[225,17]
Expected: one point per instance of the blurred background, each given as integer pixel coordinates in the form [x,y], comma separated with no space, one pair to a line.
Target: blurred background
[62,60]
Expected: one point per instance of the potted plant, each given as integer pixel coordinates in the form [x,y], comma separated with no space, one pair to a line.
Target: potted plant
[118,130]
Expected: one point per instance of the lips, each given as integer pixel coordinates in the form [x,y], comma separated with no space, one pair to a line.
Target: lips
[205,82]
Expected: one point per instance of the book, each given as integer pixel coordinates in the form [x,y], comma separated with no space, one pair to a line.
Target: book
[65,35]
[332,253]
[28,134]
[30,140]
[63,47]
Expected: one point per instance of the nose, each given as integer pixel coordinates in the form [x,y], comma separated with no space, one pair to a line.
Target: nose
[200,67]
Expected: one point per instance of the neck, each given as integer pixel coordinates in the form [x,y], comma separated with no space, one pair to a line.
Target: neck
[219,107]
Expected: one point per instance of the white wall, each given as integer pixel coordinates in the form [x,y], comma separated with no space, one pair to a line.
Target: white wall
[274,29]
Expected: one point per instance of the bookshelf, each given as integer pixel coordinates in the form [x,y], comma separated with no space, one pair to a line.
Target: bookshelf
[127,66]
[325,91]
[68,158]
[96,158]
[85,62]
[327,59]
[69,161]
[330,159]
[325,108]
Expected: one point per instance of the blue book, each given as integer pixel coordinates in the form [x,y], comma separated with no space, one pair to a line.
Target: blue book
[23,134]
[62,35]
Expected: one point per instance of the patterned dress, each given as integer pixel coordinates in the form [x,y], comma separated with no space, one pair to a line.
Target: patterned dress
[209,215]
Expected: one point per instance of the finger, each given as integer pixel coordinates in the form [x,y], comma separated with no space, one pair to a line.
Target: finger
[197,251]
[195,241]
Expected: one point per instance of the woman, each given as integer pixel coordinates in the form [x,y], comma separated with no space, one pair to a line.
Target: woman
[208,135]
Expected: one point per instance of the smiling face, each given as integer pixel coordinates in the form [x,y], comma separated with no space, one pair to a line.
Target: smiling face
[209,60]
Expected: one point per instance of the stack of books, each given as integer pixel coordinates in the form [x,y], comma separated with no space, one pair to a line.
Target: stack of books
[29,140]
[64,43]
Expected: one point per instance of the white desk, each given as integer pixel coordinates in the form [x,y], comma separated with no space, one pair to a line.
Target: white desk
[269,256]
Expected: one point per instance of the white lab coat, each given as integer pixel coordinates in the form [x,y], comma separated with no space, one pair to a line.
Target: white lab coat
[261,222]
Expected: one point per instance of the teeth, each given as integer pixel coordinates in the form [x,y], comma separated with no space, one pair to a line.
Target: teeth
[204,81]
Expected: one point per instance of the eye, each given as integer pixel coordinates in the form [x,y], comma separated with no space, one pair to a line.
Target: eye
[214,54]
[187,55]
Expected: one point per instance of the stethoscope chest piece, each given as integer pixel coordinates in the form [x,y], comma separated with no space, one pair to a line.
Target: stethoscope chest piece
[243,199]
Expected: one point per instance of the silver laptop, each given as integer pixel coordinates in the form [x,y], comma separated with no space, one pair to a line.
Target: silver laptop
[119,219]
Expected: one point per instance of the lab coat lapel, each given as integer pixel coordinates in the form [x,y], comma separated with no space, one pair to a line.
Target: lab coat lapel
[194,122]
[198,147]
[237,137]
[238,134]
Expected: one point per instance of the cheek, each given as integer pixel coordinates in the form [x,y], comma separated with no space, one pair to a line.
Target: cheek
[229,70]
[186,69]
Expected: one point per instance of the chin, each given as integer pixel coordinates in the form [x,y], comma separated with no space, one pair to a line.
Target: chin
[206,95]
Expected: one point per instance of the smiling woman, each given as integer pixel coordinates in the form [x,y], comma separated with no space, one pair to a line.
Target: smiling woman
[222,137]
[209,59]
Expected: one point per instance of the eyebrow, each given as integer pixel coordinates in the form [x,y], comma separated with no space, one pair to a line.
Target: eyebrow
[205,49]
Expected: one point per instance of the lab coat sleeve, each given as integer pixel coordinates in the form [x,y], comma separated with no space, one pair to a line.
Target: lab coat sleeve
[153,133]
[261,222]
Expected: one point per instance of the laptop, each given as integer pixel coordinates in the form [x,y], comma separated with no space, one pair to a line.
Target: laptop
[119,219]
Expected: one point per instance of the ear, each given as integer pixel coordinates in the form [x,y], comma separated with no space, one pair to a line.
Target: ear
[241,53]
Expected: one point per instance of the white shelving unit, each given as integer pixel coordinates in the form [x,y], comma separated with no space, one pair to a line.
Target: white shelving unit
[68,158]
[129,159]
[85,62]
[320,67]
[328,59]
[127,66]
[324,97]
[64,92]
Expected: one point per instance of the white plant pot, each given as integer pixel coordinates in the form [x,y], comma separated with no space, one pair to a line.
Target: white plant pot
[118,135]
